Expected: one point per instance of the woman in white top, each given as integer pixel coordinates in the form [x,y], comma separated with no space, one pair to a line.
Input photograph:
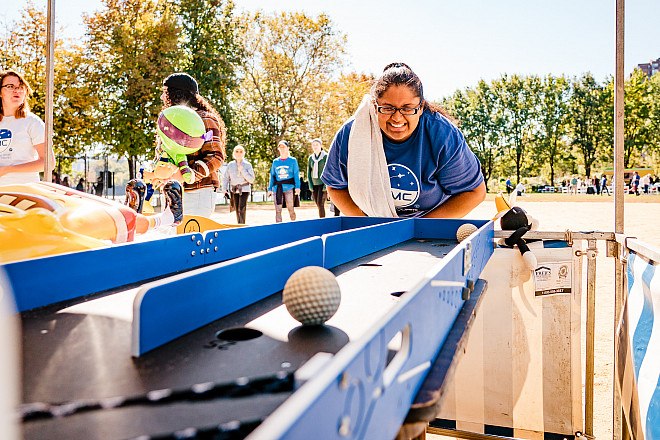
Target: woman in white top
[22,133]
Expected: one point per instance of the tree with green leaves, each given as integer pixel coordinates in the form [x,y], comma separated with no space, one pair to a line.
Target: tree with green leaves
[479,120]
[331,105]
[292,57]
[553,117]
[639,134]
[655,117]
[589,113]
[212,52]
[74,103]
[133,44]
[518,98]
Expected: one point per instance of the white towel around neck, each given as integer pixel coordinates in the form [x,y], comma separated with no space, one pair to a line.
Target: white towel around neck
[316,160]
[368,177]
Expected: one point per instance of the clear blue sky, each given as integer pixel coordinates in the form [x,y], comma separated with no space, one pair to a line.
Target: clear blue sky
[453,44]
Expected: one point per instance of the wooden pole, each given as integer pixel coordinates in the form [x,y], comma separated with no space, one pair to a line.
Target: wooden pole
[590,338]
[50,80]
[618,204]
[618,120]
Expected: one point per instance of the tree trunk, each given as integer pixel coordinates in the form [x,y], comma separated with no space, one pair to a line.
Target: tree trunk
[519,155]
[552,163]
[552,172]
[132,160]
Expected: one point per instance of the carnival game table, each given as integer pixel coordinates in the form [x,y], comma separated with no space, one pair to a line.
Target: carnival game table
[187,337]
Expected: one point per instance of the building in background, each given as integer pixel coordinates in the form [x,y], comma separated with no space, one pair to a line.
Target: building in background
[650,68]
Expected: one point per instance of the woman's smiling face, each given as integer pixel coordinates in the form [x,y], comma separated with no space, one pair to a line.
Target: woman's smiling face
[398,127]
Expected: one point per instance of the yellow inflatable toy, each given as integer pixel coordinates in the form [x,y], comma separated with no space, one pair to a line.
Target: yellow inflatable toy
[37,232]
[81,212]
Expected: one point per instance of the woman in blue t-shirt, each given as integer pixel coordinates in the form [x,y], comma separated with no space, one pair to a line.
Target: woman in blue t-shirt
[396,133]
[284,182]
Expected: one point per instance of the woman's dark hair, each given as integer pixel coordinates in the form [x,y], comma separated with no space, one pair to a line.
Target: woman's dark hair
[400,74]
[22,109]
[197,102]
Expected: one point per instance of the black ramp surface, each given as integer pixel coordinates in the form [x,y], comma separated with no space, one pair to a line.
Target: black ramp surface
[84,352]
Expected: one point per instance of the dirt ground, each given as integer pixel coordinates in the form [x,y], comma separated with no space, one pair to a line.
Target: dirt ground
[555,213]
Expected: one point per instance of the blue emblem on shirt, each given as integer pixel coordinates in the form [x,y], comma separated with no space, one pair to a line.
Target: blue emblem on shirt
[5,139]
[405,185]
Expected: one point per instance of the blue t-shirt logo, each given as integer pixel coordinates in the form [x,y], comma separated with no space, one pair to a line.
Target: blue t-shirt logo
[5,139]
[405,185]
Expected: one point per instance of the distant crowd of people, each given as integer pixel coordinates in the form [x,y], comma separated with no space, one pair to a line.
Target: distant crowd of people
[635,184]
[96,188]
[599,185]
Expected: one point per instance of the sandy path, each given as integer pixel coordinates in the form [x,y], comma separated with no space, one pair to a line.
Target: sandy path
[555,213]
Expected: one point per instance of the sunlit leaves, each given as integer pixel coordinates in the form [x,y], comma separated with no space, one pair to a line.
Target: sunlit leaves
[291,59]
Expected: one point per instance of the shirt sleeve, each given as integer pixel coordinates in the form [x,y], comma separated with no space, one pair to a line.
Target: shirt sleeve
[271,181]
[37,130]
[460,170]
[225,180]
[248,172]
[296,173]
[335,173]
[309,170]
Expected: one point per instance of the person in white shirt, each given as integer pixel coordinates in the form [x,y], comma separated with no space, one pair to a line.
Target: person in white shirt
[646,182]
[22,133]
[236,182]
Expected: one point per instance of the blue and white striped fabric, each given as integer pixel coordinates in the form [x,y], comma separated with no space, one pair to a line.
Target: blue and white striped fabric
[644,338]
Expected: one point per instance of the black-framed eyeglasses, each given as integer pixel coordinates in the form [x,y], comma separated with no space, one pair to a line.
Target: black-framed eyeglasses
[389,110]
[12,87]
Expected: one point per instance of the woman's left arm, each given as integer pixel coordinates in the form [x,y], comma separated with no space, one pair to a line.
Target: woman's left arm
[459,205]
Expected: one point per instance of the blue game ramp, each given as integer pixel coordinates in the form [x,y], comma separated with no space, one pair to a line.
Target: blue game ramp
[445,229]
[169,308]
[342,247]
[357,394]
[47,280]
[225,244]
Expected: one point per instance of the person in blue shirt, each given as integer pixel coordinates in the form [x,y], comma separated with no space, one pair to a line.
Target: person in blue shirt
[509,186]
[284,182]
[432,171]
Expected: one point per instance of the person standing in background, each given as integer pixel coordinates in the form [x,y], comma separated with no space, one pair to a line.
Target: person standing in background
[98,186]
[22,133]
[634,182]
[284,182]
[236,182]
[646,182]
[603,186]
[315,165]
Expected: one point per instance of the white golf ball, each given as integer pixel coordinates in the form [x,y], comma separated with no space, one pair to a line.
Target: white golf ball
[464,231]
[312,295]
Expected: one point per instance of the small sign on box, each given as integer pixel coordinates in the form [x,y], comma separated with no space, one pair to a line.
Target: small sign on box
[553,277]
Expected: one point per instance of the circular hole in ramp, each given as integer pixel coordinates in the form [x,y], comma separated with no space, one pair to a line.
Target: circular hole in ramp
[238,334]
